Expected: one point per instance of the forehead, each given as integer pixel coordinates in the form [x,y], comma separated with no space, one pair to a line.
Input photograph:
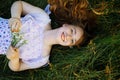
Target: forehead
[79,33]
[78,30]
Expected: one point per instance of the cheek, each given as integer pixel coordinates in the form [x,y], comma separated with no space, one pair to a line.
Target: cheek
[65,28]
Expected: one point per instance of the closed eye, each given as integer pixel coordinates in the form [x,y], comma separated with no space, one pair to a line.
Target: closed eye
[75,34]
[72,41]
[71,30]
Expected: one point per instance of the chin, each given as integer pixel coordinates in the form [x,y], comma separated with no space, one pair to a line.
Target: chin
[63,44]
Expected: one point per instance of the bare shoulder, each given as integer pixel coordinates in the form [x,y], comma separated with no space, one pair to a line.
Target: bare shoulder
[46,50]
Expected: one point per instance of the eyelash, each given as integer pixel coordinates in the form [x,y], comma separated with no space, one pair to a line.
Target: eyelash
[71,30]
[72,41]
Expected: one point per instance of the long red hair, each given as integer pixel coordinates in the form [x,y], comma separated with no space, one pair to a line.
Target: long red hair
[74,12]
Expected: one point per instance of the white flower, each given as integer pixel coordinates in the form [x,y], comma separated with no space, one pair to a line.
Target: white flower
[17,40]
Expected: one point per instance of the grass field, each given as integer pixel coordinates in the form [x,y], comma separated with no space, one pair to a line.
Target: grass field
[98,60]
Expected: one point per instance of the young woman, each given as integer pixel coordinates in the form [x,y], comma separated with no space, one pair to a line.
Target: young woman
[73,12]
[36,30]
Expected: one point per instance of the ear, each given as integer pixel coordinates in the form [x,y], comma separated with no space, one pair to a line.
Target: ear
[65,24]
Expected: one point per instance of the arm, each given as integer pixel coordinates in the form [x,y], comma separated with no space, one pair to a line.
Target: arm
[15,64]
[17,9]
[20,7]
[13,56]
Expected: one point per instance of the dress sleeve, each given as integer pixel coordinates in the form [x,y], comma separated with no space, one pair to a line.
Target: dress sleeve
[47,9]
[36,62]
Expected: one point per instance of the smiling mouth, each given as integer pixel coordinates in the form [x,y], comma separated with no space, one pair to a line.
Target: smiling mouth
[63,36]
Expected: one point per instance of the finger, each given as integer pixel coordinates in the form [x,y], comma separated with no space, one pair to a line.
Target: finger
[16,49]
[14,27]
[18,26]
[10,23]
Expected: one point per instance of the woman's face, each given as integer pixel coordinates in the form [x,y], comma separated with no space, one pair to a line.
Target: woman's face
[68,35]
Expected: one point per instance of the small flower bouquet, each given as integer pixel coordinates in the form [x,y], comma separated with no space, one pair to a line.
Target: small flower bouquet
[17,40]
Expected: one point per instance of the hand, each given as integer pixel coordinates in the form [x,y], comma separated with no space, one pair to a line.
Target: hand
[12,53]
[15,24]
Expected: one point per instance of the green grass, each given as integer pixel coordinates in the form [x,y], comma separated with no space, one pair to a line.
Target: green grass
[98,60]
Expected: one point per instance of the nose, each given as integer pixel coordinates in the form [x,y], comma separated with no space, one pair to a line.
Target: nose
[69,37]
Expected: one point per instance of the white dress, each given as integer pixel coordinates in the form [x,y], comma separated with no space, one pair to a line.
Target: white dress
[33,25]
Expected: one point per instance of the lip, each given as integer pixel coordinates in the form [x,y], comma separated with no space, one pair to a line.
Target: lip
[63,36]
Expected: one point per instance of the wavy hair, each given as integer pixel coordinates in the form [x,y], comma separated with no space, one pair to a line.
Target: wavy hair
[73,12]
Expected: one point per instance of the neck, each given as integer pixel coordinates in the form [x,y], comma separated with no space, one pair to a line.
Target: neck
[50,37]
